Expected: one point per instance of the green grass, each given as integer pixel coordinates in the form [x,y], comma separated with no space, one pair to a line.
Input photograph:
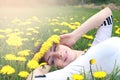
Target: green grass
[45,16]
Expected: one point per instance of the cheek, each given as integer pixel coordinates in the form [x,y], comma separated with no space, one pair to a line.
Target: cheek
[70,59]
[60,63]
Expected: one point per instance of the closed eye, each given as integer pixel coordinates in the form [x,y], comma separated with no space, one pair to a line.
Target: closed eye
[55,48]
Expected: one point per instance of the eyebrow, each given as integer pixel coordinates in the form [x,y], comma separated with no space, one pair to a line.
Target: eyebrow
[51,49]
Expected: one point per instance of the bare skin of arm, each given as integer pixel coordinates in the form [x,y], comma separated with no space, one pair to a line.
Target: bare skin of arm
[93,22]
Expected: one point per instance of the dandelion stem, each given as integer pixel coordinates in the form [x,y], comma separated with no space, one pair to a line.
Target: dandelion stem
[32,75]
[91,72]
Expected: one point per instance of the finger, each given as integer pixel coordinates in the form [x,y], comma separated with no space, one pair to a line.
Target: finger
[62,36]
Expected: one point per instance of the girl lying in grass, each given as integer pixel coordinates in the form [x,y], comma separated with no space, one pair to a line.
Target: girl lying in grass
[105,50]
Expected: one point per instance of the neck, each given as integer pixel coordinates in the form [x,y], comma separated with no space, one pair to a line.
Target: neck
[78,53]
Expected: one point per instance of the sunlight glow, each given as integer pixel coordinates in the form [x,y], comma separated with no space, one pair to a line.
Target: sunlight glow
[17,3]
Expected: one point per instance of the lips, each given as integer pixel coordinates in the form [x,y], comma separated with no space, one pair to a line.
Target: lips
[65,56]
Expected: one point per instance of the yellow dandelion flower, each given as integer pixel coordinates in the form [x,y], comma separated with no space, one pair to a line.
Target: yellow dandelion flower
[43,64]
[25,39]
[77,23]
[99,74]
[87,36]
[85,50]
[12,34]
[38,55]
[77,77]
[24,52]
[89,45]
[117,31]
[32,64]
[7,70]
[116,26]
[64,24]
[14,41]
[64,31]
[73,27]
[10,57]
[56,30]
[92,61]
[20,59]
[23,74]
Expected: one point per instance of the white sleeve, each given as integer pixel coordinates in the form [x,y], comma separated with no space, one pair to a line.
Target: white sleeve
[55,75]
[104,32]
[61,74]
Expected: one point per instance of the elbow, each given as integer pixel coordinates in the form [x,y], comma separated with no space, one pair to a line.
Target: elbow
[108,10]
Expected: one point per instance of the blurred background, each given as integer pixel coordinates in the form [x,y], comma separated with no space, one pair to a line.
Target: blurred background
[35,3]
[11,7]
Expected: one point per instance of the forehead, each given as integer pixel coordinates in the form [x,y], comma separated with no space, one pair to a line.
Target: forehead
[47,54]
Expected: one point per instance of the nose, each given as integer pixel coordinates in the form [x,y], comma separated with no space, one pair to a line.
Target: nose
[58,55]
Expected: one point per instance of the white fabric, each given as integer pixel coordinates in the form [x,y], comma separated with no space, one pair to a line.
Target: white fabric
[105,54]
[103,33]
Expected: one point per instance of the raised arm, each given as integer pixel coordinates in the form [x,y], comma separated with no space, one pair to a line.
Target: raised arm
[94,21]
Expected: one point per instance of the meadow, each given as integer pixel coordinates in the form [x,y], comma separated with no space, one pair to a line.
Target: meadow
[21,30]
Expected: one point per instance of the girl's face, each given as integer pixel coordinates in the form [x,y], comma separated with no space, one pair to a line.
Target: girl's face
[59,55]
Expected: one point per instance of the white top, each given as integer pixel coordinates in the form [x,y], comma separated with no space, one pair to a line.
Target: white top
[105,53]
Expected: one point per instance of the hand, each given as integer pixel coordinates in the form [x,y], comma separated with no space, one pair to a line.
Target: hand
[39,71]
[67,39]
